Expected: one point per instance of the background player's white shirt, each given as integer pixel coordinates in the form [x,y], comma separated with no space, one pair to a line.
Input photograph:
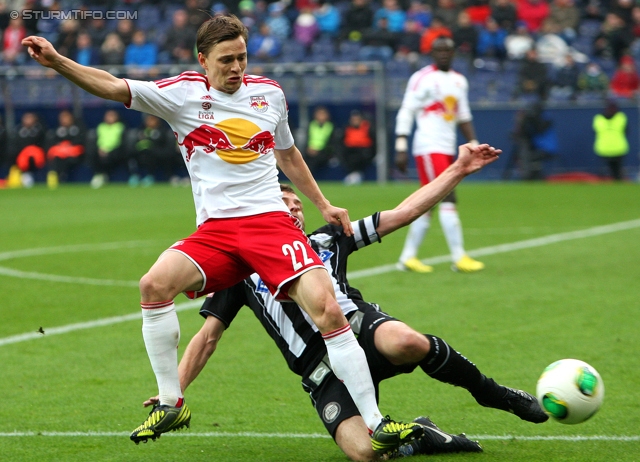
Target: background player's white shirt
[233,172]
[438,102]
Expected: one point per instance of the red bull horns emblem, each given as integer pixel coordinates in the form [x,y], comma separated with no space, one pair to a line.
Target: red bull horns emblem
[236,141]
[447,108]
[259,103]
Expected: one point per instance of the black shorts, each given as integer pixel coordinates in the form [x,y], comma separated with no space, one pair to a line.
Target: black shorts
[328,394]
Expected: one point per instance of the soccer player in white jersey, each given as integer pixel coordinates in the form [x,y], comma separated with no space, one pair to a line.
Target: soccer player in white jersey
[232,128]
[436,99]
[392,347]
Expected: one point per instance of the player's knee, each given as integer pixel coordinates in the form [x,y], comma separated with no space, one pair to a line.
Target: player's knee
[418,342]
[151,288]
[411,347]
[332,308]
[332,317]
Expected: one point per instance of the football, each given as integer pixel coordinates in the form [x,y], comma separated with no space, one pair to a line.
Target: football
[570,391]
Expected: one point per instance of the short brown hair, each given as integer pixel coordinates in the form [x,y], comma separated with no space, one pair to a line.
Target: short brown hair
[219,28]
[286,188]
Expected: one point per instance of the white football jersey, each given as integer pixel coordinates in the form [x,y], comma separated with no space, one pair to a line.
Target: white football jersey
[438,102]
[226,140]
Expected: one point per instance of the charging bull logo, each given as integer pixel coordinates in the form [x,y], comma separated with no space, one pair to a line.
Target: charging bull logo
[447,108]
[208,137]
[259,103]
[237,141]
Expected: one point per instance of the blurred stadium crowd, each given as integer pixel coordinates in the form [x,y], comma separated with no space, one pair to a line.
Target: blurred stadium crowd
[580,51]
[568,49]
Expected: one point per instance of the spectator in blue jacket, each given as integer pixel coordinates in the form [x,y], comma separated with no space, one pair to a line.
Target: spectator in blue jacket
[491,40]
[278,22]
[86,54]
[264,45]
[328,18]
[394,14]
[419,12]
[140,52]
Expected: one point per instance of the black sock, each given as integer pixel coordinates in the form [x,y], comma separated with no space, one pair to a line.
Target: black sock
[445,364]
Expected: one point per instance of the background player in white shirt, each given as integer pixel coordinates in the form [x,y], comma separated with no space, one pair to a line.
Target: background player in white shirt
[436,99]
[232,129]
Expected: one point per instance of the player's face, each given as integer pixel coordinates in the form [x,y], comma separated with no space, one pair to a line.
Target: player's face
[294,205]
[442,55]
[225,64]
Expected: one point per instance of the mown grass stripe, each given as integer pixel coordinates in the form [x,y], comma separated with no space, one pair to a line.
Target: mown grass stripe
[492,250]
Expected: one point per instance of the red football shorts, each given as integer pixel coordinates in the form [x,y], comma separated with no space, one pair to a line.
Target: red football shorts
[228,250]
[430,166]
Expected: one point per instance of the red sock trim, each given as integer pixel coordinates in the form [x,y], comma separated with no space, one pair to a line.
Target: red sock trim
[180,402]
[156,305]
[335,333]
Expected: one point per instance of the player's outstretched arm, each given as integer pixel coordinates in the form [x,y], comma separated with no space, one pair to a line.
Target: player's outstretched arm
[197,353]
[199,350]
[293,165]
[470,159]
[95,81]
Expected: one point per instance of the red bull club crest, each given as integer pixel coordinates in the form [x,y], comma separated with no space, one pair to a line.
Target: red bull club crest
[259,103]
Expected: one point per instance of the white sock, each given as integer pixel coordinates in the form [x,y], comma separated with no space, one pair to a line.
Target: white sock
[349,364]
[417,231]
[452,228]
[161,333]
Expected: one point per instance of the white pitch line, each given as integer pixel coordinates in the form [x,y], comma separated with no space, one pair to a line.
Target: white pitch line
[492,250]
[74,248]
[88,325]
[626,438]
[4,271]
[182,434]
[574,438]
[510,247]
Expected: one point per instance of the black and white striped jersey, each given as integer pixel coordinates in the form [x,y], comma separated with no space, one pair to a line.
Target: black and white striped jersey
[290,327]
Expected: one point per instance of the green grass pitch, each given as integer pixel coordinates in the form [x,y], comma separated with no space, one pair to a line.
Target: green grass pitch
[75,255]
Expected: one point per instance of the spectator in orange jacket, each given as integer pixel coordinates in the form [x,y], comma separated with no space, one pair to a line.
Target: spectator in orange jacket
[66,148]
[437,29]
[358,148]
[28,148]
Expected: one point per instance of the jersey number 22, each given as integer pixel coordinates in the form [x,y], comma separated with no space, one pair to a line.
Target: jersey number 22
[291,251]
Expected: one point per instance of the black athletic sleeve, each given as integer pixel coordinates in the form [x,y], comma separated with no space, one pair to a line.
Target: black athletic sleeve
[332,237]
[225,304]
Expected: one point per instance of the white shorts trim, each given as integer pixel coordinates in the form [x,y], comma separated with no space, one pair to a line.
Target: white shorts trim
[204,276]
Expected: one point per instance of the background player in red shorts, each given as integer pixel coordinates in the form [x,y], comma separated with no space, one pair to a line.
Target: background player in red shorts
[436,98]
[232,128]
